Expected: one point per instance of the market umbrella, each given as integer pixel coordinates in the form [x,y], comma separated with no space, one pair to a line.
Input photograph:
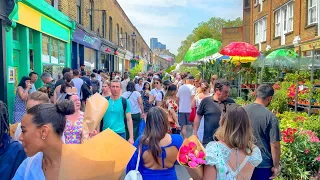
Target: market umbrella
[241,52]
[202,49]
[279,58]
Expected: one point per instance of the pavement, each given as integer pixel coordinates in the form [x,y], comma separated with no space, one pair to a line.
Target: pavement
[181,171]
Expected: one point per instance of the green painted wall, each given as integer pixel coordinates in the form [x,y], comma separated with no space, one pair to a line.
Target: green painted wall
[24,62]
[37,56]
[9,63]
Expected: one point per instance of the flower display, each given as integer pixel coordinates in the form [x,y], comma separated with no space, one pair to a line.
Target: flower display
[288,135]
[190,156]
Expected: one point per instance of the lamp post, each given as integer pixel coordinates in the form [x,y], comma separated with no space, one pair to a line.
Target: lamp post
[133,37]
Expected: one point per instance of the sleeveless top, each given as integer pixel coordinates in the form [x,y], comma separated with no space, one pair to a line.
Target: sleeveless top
[73,131]
[217,154]
[156,174]
[145,100]
[19,107]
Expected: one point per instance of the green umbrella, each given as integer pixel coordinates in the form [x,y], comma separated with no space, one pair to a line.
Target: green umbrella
[201,49]
[279,58]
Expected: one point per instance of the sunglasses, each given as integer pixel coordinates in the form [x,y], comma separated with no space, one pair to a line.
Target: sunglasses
[104,86]
[156,83]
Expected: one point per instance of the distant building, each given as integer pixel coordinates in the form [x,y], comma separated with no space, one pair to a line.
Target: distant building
[155,44]
[231,34]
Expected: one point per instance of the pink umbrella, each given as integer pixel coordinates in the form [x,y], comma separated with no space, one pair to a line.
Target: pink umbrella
[242,49]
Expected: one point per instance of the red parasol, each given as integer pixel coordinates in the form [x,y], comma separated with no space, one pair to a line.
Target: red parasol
[242,49]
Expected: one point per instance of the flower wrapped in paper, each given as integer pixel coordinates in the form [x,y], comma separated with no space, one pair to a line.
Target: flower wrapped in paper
[105,156]
[96,107]
[192,156]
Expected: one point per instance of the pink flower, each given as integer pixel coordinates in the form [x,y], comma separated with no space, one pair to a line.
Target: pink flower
[185,149]
[307,151]
[183,159]
[200,161]
[190,156]
[194,159]
[201,155]
[318,158]
[314,138]
[192,145]
[192,164]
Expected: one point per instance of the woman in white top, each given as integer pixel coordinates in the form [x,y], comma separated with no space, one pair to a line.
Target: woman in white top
[139,85]
[154,99]
[233,156]
[137,111]
[204,92]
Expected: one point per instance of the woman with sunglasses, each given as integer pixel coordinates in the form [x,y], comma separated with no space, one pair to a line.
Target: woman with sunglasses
[157,84]
[212,82]
[233,156]
[74,123]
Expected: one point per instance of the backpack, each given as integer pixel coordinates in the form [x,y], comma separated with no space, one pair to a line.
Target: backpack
[85,91]
[95,86]
[124,106]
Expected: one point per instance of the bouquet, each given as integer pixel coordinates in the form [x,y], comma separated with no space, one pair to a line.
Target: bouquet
[192,156]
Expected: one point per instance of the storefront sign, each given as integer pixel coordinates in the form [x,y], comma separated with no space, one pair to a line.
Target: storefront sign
[309,46]
[107,49]
[85,39]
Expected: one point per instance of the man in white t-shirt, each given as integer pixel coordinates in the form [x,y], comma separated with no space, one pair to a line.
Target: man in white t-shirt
[157,84]
[185,95]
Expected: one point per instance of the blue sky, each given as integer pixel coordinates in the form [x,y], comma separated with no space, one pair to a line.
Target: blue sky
[171,21]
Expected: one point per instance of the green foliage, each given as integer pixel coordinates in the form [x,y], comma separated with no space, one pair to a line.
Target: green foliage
[279,101]
[209,29]
[194,71]
[134,71]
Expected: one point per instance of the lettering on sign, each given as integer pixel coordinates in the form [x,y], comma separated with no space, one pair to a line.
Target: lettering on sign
[88,39]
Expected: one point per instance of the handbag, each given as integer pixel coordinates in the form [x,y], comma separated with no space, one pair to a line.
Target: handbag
[134,174]
[192,115]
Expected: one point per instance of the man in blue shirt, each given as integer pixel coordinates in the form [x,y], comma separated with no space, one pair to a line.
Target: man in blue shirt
[115,115]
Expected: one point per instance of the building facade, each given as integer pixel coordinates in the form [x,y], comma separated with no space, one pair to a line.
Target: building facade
[39,40]
[104,20]
[274,24]
[232,34]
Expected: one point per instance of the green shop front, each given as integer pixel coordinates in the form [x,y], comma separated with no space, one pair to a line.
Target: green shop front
[39,41]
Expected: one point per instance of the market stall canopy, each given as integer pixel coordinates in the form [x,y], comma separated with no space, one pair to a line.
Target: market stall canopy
[241,52]
[202,49]
[280,58]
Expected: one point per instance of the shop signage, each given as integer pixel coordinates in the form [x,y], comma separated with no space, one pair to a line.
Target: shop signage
[85,39]
[107,49]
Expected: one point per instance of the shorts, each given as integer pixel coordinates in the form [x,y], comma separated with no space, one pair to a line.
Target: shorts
[184,119]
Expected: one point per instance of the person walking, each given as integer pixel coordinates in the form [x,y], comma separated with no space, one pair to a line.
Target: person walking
[106,89]
[266,130]
[137,110]
[170,104]
[124,83]
[22,92]
[234,155]
[139,85]
[185,95]
[204,92]
[211,108]
[118,112]
[156,149]
[49,84]
[67,87]
[157,84]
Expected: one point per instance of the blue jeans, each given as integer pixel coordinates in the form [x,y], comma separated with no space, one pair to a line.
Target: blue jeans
[123,135]
[261,174]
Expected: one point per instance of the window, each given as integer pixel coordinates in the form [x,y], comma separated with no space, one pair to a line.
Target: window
[127,40]
[283,19]
[55,3]
[62,52]
[104,24]
[121,38]
[91,14]
[246,3]
[53,50]
[260,29]
[118,34]
[79,11]
[277,23]
[260,5]
[312,11]
[110,28]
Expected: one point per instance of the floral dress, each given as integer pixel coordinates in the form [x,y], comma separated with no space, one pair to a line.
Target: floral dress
[19,107]
[171,104]
[73,131]
[217,154]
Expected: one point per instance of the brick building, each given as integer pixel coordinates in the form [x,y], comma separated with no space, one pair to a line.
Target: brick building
[232,34]
[106,21]
[282,24]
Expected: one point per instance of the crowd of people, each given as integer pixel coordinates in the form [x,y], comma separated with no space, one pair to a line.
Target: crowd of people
[241,142]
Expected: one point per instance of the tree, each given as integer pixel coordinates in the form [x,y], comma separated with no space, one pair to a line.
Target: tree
[209,29]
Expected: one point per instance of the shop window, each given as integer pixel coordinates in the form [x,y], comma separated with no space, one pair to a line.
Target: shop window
[62,53]
[79,11]
[45,49]
[89,59]
[54,54]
